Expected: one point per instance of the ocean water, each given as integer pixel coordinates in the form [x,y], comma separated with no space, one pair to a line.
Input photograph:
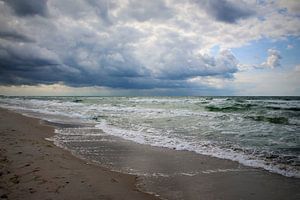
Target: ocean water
[261,132]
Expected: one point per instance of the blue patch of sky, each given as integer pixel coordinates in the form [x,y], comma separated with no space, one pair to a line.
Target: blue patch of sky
[256,52]
[215,50]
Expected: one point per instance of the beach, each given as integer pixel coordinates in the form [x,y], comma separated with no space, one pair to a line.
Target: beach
[139,99]
[33,168]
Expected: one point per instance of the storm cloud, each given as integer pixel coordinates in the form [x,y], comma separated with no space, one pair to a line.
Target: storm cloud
[226,11]
[124,44]
[28,7]
[14,36]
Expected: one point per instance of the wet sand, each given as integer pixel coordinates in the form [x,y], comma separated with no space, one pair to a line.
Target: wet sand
[33,168]
[40,170]
[178,175]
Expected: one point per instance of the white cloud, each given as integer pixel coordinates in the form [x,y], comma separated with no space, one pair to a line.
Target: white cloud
[297,68]
[293,6]
[54,90]
[211,81]
[265,82]
[290,46]
[273,59]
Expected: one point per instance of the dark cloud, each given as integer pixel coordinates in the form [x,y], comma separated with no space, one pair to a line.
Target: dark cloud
[226,11]
[28,7]
[103,9]
[26,63]
[14,36]
[114,69]
[77,47]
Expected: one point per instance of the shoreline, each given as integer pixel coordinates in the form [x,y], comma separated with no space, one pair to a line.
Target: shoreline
[39,169]
[34,168]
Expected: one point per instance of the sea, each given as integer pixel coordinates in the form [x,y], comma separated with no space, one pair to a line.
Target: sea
[259,132]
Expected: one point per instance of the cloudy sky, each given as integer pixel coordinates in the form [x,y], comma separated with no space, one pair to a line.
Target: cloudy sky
[142,47]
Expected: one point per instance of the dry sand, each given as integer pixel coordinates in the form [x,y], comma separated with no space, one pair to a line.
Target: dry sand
[33,168]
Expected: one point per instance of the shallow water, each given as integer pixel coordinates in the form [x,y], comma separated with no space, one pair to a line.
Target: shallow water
[255,131]
[173,174]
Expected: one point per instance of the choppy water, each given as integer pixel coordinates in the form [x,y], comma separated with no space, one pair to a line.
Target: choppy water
[255,131]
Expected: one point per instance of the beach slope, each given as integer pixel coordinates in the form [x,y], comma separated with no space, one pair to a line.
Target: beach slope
[33,168]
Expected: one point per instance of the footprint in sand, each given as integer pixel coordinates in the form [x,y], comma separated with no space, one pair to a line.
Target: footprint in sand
[31,190]
[114,180]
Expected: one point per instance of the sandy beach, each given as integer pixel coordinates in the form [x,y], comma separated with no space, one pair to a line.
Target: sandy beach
[33,168]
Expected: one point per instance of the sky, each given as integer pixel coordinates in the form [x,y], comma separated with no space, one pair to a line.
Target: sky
[157,47]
